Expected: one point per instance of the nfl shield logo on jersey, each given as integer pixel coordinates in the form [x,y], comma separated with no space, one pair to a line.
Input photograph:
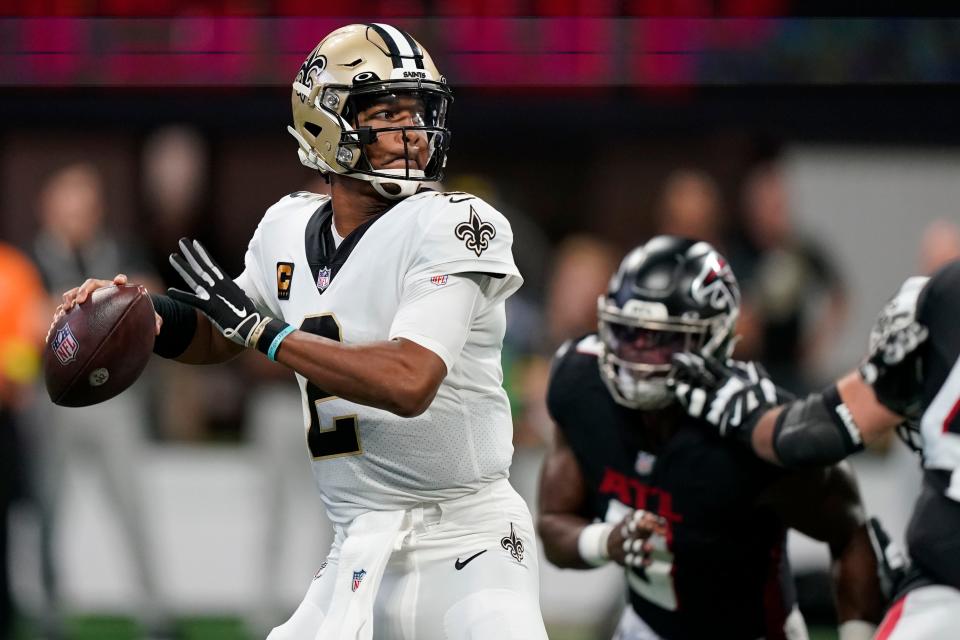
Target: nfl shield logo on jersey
[323,279]
[644,463]
[439,280]
[357,579]
[65,345]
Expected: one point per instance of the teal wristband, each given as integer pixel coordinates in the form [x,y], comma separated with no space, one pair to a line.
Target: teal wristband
[271,335]
[275,343]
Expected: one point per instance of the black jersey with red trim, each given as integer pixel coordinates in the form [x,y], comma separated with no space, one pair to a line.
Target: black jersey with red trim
[725,572]
[933,536]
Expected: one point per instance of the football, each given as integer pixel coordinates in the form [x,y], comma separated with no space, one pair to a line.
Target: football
[100,347]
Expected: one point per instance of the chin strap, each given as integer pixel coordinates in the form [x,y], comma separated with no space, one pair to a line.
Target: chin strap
[406,188]
[308,155]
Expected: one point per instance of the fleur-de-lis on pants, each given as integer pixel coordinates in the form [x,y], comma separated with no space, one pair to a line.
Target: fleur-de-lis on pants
[476,233]
[513,544]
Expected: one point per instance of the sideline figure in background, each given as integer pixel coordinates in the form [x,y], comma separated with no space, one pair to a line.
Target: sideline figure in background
[387,300]
[699,524]
[909,383]
[110,439]
[24,306]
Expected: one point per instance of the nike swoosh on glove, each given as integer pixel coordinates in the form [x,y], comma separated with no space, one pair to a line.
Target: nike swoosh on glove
[217,296]
[730,395]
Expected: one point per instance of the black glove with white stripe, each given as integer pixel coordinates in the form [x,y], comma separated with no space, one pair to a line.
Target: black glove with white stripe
[731,396]
[216,295]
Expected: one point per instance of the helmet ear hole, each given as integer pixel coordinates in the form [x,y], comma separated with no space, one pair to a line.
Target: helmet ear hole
[391,188]
[313,128]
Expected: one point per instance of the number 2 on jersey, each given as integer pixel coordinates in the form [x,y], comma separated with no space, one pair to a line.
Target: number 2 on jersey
[341,436]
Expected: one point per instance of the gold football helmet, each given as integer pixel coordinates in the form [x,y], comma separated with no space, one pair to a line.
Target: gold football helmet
[358,65]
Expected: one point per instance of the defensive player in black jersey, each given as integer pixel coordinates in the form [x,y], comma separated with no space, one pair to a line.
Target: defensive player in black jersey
[910,380]
[698,523]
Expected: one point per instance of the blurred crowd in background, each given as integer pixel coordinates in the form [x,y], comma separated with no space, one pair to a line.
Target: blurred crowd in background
[91,194]
[795,305]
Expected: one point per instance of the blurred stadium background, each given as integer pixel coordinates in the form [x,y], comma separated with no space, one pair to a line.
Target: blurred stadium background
[821,153]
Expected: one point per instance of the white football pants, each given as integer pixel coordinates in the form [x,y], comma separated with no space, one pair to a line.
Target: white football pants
[466,569]
[926,613]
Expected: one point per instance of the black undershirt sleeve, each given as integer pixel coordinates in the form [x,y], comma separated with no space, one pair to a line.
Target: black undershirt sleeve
[178,329]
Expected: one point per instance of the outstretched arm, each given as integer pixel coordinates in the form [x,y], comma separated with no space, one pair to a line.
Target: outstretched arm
[400,375]
[183,333]
[821,428]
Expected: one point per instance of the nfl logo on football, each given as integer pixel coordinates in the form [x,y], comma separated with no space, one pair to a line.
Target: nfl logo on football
[357,579]
[323,279]
[65,346]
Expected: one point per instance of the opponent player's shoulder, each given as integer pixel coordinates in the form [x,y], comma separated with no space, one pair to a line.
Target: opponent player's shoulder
[930,300]
[940,294]
[574,367]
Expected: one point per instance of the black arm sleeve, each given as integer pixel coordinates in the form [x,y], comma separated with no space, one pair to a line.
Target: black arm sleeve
[178,329]
[815,431]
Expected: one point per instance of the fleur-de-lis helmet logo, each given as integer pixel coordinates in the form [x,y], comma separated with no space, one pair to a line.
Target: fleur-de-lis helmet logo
[310,70]
[476,233]
[513,544]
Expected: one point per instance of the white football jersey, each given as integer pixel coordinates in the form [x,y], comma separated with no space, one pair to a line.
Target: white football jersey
[366,458]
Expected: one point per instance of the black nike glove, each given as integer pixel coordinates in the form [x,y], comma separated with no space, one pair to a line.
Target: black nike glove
[731,396]
[217,296]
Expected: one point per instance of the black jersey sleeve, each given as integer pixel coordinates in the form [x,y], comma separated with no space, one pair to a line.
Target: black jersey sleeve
[575,387]
[938,307]
[558,387]
[938,310]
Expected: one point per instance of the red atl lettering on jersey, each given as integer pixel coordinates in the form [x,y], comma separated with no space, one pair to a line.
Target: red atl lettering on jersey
[640,495]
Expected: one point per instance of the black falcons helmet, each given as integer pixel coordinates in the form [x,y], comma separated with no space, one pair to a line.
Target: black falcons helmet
[669,295]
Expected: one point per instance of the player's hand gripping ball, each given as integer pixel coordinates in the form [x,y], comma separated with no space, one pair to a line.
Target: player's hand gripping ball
[99,347]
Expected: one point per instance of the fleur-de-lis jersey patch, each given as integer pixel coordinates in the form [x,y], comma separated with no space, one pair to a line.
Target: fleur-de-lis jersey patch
[476,233]
[513,544]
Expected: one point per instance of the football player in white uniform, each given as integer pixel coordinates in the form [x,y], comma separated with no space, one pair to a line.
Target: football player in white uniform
[387,300]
